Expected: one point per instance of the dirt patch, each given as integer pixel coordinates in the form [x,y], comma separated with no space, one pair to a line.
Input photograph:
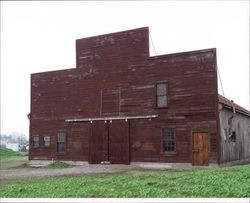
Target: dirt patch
[24,171]
[13,162]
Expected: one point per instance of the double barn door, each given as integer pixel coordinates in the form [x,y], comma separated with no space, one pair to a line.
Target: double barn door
[109,142]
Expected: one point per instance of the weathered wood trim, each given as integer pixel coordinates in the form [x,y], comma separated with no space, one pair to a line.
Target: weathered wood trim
[110,118]
[237,111]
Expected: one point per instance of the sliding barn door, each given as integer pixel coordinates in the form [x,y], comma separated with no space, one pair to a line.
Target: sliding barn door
[109,142]
[98,149]
[119,142]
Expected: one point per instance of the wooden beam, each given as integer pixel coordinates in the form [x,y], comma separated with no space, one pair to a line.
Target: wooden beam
[110,118]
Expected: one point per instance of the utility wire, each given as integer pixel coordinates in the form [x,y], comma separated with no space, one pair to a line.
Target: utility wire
[151,39]
[220,82]
[152,43]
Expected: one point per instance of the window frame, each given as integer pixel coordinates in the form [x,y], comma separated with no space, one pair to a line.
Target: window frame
[58,143]
[232,137]
[44,141]
[172,140]
[161,95]
[37,141]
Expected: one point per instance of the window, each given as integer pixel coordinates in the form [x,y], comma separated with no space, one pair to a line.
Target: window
[35,141]
[46,141]
[233,136]
[61,142]
[168,139]
[161,95]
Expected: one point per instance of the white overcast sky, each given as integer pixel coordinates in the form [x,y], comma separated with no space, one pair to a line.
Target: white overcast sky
[40,36]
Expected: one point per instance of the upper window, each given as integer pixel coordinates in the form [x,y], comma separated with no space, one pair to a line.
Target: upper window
[46,141]
[61,142]
[161,95]
[35,141]
[168,139]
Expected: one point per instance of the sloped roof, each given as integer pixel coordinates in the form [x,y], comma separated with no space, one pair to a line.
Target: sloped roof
[226,102]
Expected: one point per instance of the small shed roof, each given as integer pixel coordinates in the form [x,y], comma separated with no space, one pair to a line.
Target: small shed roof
[230,104]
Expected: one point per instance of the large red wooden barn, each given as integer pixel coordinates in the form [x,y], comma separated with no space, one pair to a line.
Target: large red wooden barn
[120,106]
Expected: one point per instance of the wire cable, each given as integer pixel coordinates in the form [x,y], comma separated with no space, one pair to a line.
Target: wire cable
[152,43]
[220,82]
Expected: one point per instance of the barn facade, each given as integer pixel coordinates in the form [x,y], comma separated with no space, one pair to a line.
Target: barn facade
[120,106]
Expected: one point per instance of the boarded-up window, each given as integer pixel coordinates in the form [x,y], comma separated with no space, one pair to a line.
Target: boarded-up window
[161,95]
[46,140]
[168,139]
[35,141]
[61,142]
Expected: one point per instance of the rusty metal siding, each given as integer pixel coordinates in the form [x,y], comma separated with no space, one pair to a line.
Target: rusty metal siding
[121,81]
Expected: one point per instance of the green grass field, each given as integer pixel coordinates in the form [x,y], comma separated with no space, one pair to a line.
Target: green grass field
[220,182]
[10,159]
[8,153]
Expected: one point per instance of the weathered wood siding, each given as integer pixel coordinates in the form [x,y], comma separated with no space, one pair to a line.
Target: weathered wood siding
[240,148]
[115,76]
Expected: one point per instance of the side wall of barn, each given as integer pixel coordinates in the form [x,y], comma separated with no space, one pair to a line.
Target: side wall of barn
[235,136]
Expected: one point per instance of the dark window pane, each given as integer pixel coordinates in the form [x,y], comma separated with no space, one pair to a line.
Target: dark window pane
[161,89]
[61,137]
[161,101]
[168,139]
[61,142]
[61,147]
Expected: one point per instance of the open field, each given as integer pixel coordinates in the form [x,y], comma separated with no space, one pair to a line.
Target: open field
[60,180]
[220,182]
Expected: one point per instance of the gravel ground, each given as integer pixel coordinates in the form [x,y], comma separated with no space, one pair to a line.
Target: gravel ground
[27,172]
[17,168]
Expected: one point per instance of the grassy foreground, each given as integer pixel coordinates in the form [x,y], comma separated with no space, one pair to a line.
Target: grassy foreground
[8,153]
[221,182]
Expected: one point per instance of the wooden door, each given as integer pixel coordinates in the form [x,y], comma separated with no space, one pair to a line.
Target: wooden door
[119,142]
[200,149]
[109,142]
[98,149]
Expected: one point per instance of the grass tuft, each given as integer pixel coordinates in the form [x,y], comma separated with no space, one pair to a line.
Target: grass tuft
[58,164]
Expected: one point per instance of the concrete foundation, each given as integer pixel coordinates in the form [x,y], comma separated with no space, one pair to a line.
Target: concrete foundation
[142,165]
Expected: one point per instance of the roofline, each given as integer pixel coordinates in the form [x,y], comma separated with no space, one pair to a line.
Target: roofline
[199,51]
[237,110]
[52,71]
[225,102]
[112,33]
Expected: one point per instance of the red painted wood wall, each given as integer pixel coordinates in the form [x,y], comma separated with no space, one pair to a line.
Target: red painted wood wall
[115,76]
